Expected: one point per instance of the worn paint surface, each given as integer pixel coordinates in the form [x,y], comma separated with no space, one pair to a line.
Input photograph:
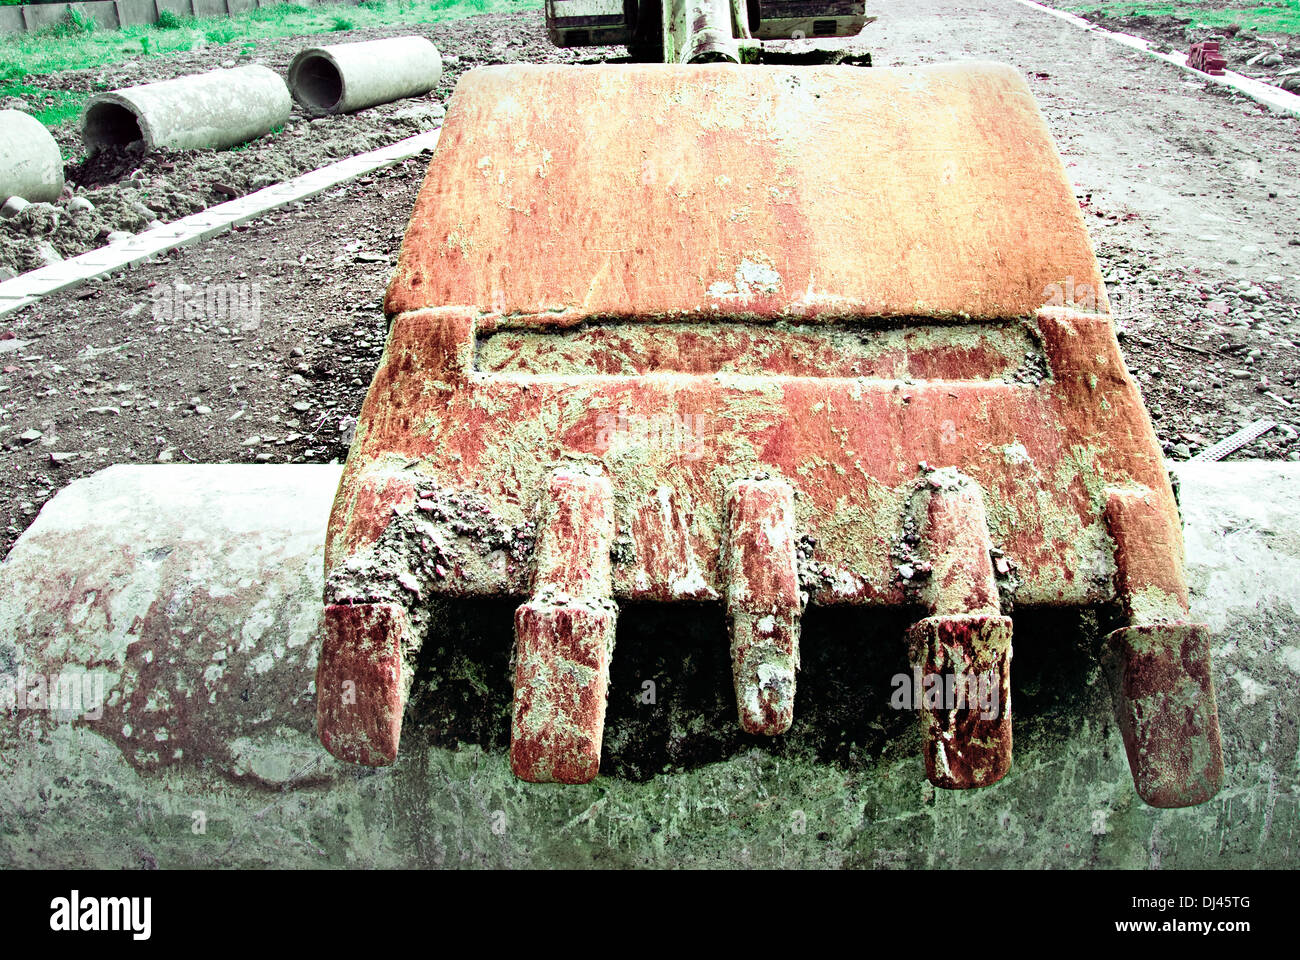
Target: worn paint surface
[1043,453]
[966,732]
[844,282]
[811,192]
[564,636]
[362,681]
[878,351]
[962,650]
[760,560]
[1158,666]
[1159,677]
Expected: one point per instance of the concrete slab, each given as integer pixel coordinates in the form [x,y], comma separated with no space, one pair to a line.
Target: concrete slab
[182,8]
[39,16]
[11,20]
[135,12]
[103,12]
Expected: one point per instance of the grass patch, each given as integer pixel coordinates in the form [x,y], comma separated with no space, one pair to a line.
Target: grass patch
[53,107]
[1282,17]
[23,56]
[222,34]
[74,24]
[168,20]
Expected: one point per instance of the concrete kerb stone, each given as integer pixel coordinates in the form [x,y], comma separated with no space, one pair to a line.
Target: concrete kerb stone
[39,16]
[1265,93]
[23,290]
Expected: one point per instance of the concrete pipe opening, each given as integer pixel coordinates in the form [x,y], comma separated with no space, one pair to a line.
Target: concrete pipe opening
[316,81]
[344,77]
[109,124]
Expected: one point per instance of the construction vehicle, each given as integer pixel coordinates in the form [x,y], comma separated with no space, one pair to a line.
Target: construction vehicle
[724,329]
[717,330]
[699,31]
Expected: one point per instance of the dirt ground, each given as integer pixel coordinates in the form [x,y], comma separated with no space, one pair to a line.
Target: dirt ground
[129,191]
[1266,56]
[1190,191]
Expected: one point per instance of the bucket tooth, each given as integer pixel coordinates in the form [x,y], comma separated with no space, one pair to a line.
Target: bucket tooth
[564,636]
[1158,664]
[362,682]
[961,652]
[763,605]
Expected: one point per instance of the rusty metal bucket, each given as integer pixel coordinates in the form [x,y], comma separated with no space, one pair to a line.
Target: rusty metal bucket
[769,336]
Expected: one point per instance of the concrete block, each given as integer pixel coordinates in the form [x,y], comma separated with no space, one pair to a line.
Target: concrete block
[38,16]
[103,12]
[136,12]
[182,8]
[12,21]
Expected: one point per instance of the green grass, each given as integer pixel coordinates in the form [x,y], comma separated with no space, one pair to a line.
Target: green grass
[1282,17]
[69,46]
[167,20]
[65,105]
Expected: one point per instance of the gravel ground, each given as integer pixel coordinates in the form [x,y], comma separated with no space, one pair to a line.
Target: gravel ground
[1271,57]
[1190,193]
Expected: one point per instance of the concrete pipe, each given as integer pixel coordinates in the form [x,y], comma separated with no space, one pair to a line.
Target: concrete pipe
[205,111]
[31,166]
[169,616]
[352,76]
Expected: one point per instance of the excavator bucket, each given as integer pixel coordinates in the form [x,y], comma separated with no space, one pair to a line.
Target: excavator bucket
[764,336]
